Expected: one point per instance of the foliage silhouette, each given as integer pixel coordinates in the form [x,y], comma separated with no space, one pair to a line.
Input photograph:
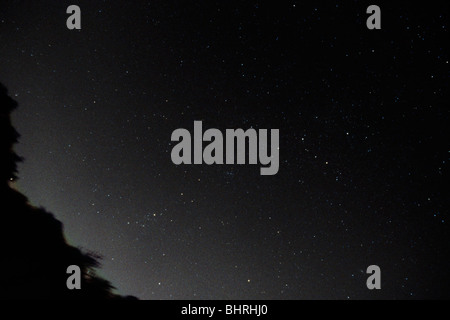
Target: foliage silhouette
[34,252]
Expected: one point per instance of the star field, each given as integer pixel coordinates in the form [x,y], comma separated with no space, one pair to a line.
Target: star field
[363,119]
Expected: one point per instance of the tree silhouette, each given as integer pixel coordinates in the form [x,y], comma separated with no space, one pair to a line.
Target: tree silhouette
[33,250]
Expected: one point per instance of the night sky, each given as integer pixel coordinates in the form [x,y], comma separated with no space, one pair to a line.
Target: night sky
[364,142]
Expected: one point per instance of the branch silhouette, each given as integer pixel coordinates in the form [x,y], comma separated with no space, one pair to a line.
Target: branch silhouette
[34,252]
